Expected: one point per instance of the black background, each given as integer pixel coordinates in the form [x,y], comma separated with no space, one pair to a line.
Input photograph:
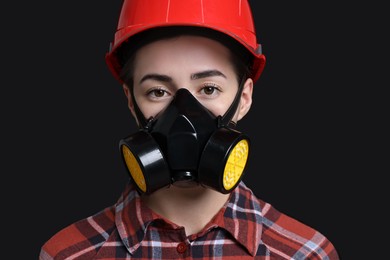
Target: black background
[309,125]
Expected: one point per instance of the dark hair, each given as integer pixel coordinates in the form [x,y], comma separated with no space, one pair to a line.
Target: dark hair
[241,57]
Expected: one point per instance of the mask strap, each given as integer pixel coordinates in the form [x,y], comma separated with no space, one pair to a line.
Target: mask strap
[226,119]
[143,123]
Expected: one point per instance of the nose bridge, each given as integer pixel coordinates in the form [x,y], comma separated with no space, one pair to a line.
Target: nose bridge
[187,104]
[183,94]
[186,91]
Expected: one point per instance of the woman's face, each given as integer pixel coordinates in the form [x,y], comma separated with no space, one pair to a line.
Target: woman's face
[201,65]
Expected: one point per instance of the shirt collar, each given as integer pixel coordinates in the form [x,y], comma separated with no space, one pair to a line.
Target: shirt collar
[241,217]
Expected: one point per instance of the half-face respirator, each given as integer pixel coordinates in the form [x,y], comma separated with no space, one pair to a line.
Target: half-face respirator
[186,144]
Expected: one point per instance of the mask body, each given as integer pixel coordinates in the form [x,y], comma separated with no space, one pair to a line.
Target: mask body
[186,145]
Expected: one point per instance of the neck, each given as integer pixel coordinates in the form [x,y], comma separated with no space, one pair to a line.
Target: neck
[190,207]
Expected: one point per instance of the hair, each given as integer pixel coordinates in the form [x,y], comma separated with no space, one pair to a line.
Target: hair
[241,58]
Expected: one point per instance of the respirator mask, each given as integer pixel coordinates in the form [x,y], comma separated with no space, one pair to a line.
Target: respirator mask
[186,144]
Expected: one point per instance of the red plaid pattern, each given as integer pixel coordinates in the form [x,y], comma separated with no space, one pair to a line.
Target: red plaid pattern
[245,228]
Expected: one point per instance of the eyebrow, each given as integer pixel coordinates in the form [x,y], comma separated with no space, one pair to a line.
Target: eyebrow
[207,73]
[198,75]
[158,77]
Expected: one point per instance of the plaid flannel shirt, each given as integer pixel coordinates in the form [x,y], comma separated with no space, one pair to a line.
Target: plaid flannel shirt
[245,228]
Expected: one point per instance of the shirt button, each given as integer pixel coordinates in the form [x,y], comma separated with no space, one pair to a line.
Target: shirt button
[181,247]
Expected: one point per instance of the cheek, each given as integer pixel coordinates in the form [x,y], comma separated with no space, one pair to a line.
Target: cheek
[150,109]
[216,108]
[221,105]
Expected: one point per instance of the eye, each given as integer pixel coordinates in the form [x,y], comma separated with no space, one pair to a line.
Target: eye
[157,93]
[210,89]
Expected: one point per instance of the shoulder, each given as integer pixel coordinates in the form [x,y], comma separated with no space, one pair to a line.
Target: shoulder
[86,235]
[287,236]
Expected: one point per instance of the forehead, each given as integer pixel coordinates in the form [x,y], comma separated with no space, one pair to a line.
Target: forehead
[187,49]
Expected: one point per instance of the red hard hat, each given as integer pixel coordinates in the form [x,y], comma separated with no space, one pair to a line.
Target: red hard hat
[231,17]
